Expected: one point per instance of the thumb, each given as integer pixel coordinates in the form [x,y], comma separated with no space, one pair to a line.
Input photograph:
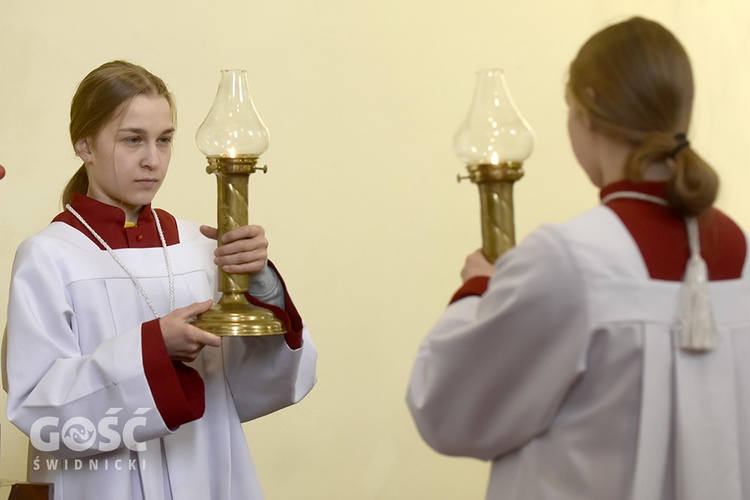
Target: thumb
[209,232]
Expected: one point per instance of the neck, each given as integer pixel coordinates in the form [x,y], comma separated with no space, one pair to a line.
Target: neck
[613,155]
[658,172]
[132,216]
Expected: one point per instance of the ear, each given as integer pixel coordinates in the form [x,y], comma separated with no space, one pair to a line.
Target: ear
[83,149]
[578,112]
[586,120]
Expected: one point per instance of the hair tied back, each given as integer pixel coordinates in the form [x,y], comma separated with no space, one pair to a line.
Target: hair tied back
[682,143]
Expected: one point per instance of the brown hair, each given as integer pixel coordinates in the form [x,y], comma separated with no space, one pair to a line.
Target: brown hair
[635,82]
[96,100]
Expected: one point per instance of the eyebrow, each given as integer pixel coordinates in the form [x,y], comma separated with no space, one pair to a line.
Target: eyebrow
[141,131]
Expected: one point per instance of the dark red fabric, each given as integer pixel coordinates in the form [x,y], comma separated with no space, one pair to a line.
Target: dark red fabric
[177,389]
[109,222]
[661,235]
[473,286]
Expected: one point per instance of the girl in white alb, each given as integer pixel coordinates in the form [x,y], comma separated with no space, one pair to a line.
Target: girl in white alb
[121,396]
[605,358]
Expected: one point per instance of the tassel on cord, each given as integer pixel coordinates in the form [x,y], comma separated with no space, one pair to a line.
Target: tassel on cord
[695,319]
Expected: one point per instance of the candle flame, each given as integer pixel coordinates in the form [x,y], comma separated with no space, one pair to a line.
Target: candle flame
[495,158]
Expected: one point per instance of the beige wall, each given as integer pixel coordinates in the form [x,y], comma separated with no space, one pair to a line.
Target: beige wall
[360,203]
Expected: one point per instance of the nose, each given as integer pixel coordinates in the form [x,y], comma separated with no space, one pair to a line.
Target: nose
[152,157]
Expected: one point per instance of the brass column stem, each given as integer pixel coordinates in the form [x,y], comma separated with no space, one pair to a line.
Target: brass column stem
[495,183]
[232,180]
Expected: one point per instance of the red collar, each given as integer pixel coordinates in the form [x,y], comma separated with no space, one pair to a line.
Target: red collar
[109,222]
[660,234]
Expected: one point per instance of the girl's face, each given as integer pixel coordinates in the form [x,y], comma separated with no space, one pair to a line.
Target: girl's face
[126,162]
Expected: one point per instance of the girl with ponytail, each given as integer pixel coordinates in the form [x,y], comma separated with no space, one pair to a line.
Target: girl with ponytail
[100,348]
[606,357]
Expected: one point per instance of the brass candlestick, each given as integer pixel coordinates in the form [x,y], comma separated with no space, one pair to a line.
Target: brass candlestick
[232,137]
[495,183]
[234,315]
[493,141]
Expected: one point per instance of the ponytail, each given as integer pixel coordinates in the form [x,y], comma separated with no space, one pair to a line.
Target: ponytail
[692,186]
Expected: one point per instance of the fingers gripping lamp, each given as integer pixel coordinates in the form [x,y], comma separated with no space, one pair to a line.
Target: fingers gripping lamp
[494,140]
[233,137]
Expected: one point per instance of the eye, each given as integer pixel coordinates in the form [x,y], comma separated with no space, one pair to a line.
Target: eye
[165,140]
[132,140]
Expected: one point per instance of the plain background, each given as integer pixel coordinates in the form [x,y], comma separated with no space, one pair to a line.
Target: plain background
[360,203]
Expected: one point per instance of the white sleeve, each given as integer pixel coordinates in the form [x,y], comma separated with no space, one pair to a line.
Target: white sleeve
[266,375]
[492,372]
[49,376]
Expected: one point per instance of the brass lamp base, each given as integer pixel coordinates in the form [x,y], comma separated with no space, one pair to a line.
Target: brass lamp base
[234,316]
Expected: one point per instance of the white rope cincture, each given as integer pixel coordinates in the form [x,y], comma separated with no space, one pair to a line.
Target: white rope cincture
[695,320]
[135,280]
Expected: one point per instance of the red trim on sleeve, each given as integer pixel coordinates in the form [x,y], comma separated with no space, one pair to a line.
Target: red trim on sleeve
[475,286]
[290,317]
[177,389]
